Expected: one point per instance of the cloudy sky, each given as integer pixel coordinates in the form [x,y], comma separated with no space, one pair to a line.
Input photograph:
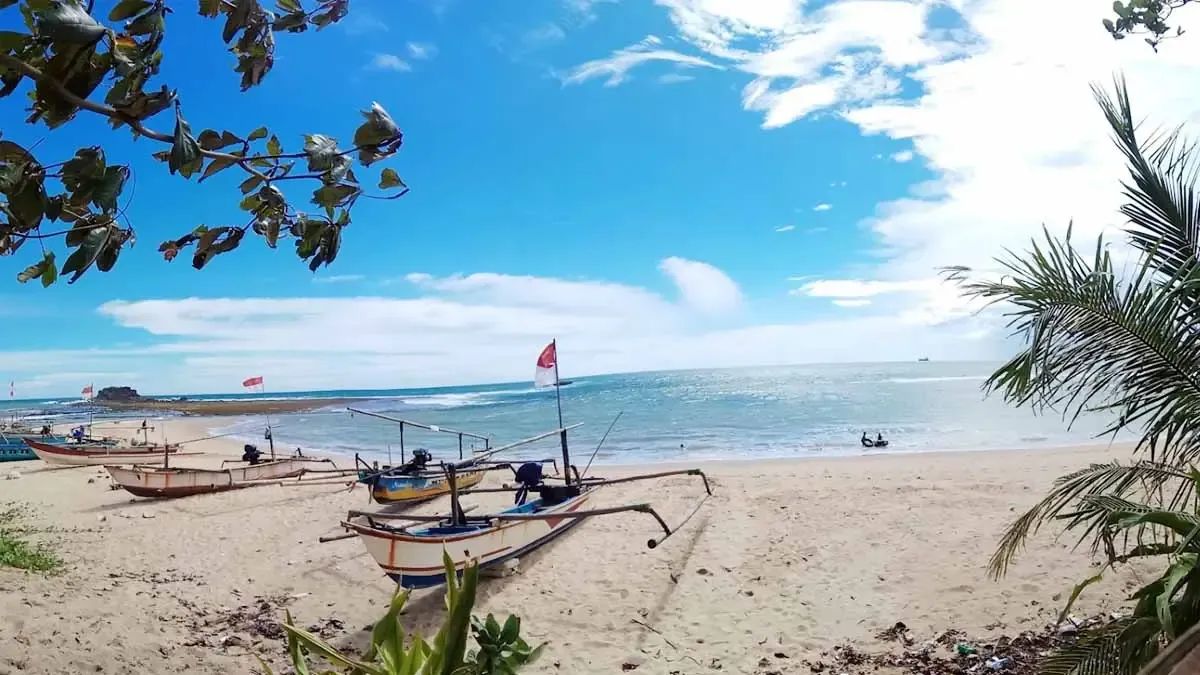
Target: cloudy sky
[655,183]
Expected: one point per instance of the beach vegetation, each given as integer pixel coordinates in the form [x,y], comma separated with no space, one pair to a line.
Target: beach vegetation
[74,63]
[16,550]
[499,648]
[1120,341]
[1151,18]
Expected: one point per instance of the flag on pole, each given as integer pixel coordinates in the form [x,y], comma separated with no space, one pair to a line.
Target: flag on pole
[252,382]
[12,389]
[87,391]
[547,367]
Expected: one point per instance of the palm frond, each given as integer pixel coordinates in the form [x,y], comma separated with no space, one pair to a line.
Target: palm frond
[1163,210]
[1119,648]
[1064,499]
[1095,343]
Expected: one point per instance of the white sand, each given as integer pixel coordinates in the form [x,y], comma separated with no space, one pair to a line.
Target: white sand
[788,556]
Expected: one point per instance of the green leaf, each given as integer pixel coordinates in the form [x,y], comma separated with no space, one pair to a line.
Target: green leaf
[216,166]
[330,196]
[185,158]
[274,147]
[237,18]
[70,23]
[295,22]
[211,140]
[12,41]
[250,184]
[210,8]
[257,134]
[146,24]
[126,9]
[43,269]
[289,5]
[390,179]
[109,187]
[321,150]
[28,203]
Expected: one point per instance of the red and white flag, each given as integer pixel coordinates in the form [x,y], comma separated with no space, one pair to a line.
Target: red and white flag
[547,367]
[252,382]
[87,391]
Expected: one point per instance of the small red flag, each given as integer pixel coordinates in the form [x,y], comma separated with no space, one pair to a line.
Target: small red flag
[252,381]
[87,391]
[546,373]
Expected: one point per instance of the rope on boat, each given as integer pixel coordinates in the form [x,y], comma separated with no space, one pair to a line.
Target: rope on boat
[602,439]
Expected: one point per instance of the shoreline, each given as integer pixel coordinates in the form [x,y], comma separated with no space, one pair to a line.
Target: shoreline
[226,408]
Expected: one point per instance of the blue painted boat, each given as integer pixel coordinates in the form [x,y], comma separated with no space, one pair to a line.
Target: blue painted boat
[14,449]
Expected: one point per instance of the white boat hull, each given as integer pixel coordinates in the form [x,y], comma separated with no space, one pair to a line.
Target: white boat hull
[182,482]
[94,455]
[414,558]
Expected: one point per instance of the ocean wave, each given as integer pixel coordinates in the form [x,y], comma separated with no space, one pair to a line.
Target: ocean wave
[919,380]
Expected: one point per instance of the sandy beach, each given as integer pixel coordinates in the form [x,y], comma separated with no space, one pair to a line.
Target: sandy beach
[788,559]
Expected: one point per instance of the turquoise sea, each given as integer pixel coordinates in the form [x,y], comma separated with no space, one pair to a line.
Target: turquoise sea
[792,411]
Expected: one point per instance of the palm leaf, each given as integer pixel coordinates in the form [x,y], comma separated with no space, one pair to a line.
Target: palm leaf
[1113,479]
[1163,212]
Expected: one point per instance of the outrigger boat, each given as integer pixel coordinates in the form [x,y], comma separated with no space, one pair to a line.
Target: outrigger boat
[412,554]
[416,479]
[94,454]
[167,482]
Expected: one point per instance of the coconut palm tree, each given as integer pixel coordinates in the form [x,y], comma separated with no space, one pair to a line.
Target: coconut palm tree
[1125,345]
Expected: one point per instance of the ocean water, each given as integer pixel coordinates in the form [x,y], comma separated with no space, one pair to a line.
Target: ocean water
[778,412]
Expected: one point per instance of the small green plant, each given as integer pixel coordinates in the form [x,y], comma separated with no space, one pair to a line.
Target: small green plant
[501,650]
[15,550]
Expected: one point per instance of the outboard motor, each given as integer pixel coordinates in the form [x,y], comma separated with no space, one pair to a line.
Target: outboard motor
[250,454]
[420,458]
[529,475]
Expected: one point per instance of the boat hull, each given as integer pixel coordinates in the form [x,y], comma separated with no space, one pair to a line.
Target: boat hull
[399,489]
[159,483]
[12,454]
[94,455]
[413,558]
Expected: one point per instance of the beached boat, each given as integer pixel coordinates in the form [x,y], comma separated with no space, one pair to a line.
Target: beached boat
[417,480]
[168,482]
[94,454]
[412,554]
[15,450]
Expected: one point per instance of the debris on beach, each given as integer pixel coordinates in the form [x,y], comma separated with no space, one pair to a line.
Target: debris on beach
[952,652]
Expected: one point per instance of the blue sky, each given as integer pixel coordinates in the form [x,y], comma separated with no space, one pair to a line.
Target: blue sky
[680,183]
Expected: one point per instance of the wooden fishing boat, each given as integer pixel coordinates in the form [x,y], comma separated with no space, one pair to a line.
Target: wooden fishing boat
[169,482]
[94,454]
[413,554]
[15,452]
[397,488]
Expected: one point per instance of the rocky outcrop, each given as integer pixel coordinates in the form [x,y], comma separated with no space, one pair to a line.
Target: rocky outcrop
[118,395]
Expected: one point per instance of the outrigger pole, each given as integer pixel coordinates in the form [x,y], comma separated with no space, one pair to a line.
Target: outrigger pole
[487,441]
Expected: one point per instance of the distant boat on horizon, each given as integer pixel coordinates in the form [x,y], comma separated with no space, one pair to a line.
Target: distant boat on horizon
[563,383]
[923,359]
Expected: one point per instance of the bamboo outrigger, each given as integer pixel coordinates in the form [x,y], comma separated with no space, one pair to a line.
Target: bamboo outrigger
[412,554]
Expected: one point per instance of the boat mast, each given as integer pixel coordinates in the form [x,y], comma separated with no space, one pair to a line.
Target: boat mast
[562,434]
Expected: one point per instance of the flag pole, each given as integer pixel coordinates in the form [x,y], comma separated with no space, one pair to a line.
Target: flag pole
[562,434]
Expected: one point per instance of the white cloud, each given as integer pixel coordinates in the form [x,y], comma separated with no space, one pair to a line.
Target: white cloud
[850,304]
[702,286]
[1001,111]
[389,62]
[422,50]
[816,230]
[615,67]
[467,329]
[785,228]
[822,207]
[902,156]
[338,279]
[675,78]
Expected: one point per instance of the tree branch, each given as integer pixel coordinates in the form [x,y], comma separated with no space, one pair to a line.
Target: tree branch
[112,113]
